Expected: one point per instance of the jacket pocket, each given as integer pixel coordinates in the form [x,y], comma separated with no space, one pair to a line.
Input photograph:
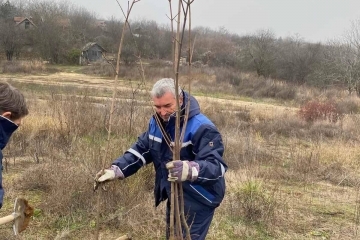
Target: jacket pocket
[200,194]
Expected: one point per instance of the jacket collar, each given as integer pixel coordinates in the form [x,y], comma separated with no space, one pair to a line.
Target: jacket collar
[7,128]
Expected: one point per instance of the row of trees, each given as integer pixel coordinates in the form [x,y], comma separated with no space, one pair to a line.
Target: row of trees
[63,29]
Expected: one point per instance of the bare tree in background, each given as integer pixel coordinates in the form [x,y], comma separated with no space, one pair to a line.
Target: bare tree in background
[261,52]
[7,10]
[297,59]
[83,26]
[340,62]
[338,66]
[53,36]
[352,60]
[10,39]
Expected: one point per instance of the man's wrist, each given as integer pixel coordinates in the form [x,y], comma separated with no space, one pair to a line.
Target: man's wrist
[118,173]
[194,170]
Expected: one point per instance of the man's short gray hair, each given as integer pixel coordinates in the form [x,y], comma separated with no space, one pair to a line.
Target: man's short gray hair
[163,86]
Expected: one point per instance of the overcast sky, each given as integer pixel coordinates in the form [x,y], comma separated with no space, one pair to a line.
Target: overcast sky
[313,20]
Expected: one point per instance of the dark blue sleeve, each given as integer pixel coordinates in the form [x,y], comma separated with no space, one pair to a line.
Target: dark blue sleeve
[135,157]
[209,149]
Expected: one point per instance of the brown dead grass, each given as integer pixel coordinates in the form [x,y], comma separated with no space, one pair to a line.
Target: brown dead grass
[309,170]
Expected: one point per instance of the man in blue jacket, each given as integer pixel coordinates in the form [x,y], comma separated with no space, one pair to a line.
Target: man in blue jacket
[12,110]
[200,168]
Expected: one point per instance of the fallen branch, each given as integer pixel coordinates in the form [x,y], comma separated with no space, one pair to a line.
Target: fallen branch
[125,237]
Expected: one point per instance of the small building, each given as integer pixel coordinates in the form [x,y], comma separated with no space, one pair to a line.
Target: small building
[92,52]
[24,22]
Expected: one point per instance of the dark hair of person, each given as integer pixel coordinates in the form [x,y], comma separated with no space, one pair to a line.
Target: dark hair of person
[12,100]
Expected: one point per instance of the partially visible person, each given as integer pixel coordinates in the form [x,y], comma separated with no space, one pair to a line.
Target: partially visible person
[13,109]
[201,167]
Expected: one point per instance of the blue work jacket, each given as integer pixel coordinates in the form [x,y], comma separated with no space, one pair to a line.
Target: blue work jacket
[202,143]
[7,128]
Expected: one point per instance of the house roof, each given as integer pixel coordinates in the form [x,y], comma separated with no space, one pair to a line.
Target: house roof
[19,20]
[91,44]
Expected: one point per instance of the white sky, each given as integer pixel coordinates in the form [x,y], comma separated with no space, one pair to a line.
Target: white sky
[313,20]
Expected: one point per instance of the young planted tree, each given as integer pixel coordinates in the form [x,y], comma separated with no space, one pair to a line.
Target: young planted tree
[178,223]
[112,109]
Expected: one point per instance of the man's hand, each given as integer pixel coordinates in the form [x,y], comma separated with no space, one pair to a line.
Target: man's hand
[107,175]
[102,177]
[180,171]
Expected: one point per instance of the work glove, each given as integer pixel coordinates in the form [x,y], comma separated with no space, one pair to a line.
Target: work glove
[107,175]
[180,171]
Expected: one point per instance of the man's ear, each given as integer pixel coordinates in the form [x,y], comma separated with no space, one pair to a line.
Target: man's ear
[181,100]
[6,115]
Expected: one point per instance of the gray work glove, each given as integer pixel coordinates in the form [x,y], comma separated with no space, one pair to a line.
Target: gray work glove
[180,171]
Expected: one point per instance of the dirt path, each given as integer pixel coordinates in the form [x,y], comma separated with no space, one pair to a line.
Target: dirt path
[251,106]
[87,81]
[62,79]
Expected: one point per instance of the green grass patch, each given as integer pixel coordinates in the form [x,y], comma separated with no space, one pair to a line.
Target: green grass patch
[70,68]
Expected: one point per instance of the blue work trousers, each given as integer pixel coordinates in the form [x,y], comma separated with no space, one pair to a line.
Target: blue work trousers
[198,218]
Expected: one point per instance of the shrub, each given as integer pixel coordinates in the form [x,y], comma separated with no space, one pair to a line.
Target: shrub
[23,67]
[348,106]
[316,110]
[73,56]
[100,68]
[227,75]
[254,203]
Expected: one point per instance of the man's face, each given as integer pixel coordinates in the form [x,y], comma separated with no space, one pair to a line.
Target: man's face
[165,105]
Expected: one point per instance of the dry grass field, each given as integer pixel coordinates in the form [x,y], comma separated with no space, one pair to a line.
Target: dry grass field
[287,178]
